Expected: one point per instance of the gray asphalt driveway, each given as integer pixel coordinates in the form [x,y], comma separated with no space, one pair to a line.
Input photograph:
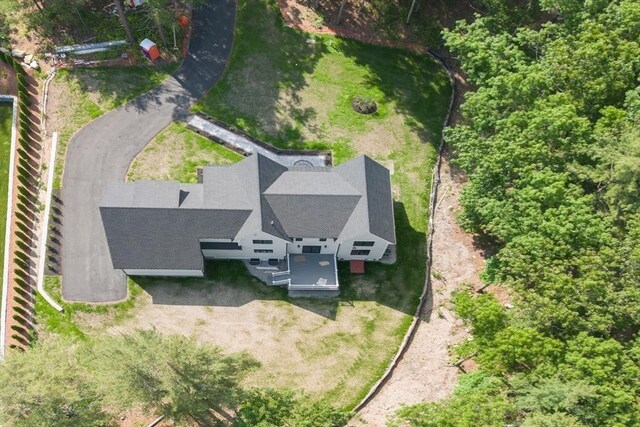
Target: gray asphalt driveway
[102,151]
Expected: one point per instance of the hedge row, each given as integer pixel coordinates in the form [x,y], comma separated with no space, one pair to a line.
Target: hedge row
[22,330]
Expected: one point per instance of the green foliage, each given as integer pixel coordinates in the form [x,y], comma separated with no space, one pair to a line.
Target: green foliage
[485,314]
[6,115]
[553,395]
[185,379]
[550,141]
[553,419]
[479,400]
[63,382]
[47,386]
[285,408]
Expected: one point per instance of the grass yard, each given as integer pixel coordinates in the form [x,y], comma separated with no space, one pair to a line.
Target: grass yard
[175,153]
[6,116]
[80,95]
[294,90]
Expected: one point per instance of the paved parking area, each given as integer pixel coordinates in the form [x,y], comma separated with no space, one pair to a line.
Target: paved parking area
[102,151]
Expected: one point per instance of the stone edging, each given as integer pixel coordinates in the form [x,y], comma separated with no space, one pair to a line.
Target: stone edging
[435,181]
[45,226]
[258,142]
[7,235]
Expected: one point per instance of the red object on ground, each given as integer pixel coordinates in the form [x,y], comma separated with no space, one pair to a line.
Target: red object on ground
[150,49]
[356,266]
[183,21]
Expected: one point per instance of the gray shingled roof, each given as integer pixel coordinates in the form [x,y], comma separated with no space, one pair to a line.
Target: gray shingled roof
[158,224]
[160,238]
[312,215]
[374,214]
[311,203]
[379,200]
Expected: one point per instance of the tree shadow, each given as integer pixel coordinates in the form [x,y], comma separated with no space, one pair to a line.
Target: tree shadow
[398,73]
[229,283]
[267,71]
[136,86]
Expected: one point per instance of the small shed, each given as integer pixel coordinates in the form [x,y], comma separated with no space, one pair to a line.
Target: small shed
[150,49]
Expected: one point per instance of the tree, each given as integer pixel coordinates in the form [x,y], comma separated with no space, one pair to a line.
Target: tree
[479,400]
[549,139]
[48,386]
[286,408]
[124,21]
[181,379]
[554,419]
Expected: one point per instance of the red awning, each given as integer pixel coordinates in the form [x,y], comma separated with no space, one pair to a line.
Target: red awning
[356,266]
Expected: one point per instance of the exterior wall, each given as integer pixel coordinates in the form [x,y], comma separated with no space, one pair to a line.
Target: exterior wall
[173,273]
[377,250]
[278,246]
[330,246]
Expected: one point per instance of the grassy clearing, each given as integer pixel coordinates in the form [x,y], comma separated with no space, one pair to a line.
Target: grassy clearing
[175,153]
[81,95]
[293,89]
[293,93]
[6,116]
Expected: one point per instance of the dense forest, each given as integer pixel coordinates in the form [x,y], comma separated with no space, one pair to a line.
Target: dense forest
[550,140]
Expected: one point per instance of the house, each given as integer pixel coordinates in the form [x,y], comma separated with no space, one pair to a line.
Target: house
[256,210]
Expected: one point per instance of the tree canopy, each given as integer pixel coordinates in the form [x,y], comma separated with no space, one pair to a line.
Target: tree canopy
[550,141]
[65,383]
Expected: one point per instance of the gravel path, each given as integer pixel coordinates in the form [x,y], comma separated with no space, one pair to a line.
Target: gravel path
[424,374]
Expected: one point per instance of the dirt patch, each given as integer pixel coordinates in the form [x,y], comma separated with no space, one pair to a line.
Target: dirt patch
[362,21]
[58,106]
[8,81]
[158,158]
[425,372]
[317,345]
[382,137]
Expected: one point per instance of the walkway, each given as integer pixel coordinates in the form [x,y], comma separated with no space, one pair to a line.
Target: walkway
[241,143]
[101,152]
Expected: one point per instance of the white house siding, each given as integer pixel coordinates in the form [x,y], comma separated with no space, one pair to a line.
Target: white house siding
[330,246]
[278,246]
[173,273]
[376,251]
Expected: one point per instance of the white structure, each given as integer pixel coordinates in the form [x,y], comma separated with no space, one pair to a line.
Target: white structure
[257,210]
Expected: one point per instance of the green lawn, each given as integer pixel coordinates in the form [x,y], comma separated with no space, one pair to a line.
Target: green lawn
[294,90]
[66,322]
[175,153]
[86,93]
[6,115]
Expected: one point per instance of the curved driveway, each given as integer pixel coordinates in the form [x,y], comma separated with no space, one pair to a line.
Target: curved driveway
[102,151]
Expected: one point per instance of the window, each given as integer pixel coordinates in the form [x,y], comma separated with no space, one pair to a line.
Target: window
[311,249]
[263,251]
[263,242]
[360,252]
[323,240]
[229,246]
[363,243]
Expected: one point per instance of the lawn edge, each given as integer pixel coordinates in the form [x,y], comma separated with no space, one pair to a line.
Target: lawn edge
[433,193]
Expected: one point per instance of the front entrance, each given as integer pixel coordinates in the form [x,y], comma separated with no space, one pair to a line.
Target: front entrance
[311,249]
